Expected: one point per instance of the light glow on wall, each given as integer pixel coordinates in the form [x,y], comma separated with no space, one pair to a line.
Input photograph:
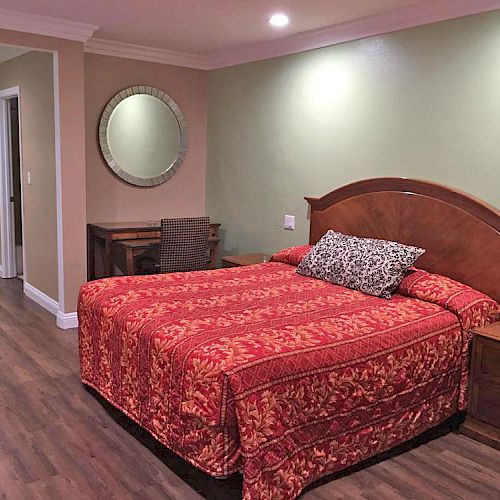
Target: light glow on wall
[327,83]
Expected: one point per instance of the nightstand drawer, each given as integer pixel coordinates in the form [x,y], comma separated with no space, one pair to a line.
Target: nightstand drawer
[483,419]
[487,359]
[485,402]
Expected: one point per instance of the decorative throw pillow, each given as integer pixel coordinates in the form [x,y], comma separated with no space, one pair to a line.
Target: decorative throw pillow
[292,255]
[375,267]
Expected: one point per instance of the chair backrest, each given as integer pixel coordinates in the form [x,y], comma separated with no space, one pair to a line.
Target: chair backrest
[184,244]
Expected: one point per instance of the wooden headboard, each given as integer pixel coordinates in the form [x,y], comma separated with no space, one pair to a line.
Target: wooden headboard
[460,233]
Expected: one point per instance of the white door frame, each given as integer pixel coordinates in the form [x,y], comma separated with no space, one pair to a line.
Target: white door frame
[7,243]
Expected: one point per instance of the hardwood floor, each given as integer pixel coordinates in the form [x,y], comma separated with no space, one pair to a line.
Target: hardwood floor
[59,441]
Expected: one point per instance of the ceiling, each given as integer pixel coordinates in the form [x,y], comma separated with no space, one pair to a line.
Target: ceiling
[7,53]
[203,28]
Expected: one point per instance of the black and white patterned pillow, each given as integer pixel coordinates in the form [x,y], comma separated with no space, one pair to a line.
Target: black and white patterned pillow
[375,267]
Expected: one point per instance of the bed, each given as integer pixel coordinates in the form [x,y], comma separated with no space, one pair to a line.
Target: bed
[286,378]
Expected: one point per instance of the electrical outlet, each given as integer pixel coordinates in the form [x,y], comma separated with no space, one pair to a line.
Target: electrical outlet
[289,222]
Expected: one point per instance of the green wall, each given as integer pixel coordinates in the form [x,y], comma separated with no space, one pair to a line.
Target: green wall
[421,103]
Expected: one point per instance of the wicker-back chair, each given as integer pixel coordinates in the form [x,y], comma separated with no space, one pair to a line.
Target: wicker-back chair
[184,244]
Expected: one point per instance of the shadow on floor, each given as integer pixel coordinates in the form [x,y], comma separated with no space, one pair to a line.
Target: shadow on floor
[230,488]
[205,485]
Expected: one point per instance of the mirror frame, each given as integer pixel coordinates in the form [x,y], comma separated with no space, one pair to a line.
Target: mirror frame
[103,136]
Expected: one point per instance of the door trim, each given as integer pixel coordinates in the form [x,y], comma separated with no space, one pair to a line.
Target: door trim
[7,237]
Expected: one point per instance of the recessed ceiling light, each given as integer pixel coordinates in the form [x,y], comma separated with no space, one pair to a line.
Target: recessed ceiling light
[279,20]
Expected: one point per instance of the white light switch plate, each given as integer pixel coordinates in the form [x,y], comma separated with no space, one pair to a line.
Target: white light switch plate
[289,222]
[29,177]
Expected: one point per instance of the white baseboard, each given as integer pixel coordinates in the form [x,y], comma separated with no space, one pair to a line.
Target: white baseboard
[41,298]
[63,320]
[67,320]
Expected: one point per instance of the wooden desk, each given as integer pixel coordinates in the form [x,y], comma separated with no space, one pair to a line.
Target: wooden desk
[101,235]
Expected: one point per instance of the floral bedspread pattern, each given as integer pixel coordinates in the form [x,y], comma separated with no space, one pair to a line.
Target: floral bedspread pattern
[259,369]
[292,255]
[472,308]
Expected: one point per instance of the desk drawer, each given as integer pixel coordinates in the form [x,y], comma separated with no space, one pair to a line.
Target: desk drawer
[148,234]
[136,235]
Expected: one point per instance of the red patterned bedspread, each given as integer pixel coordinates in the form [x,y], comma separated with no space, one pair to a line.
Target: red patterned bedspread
[283,377]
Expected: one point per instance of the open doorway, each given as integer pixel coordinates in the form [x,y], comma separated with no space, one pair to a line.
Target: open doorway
[11,223]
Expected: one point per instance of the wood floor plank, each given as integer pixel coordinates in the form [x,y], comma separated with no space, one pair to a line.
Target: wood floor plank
[60,441]
[440,486]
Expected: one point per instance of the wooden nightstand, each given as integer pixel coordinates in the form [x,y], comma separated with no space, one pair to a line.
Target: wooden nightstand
[244,260]
[483,418]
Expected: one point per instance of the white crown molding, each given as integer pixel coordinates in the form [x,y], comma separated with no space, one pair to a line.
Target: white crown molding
[389,21]
[67,320]
[44,25]
[144,53]
[385,22]
[41,298]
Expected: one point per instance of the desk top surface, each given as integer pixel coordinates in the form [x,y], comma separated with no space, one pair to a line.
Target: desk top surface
[127,226]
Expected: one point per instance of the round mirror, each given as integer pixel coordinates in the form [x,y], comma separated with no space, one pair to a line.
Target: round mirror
[143,135]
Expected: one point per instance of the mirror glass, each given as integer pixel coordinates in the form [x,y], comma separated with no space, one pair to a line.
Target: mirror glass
[143,136]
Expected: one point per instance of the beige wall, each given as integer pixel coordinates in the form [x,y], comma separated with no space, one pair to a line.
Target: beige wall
[72,120]
[110,199]
[33,73]
[421,103]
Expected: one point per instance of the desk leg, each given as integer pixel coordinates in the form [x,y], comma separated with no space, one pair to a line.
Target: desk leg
[129,255]
[108,258]
[214,256]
